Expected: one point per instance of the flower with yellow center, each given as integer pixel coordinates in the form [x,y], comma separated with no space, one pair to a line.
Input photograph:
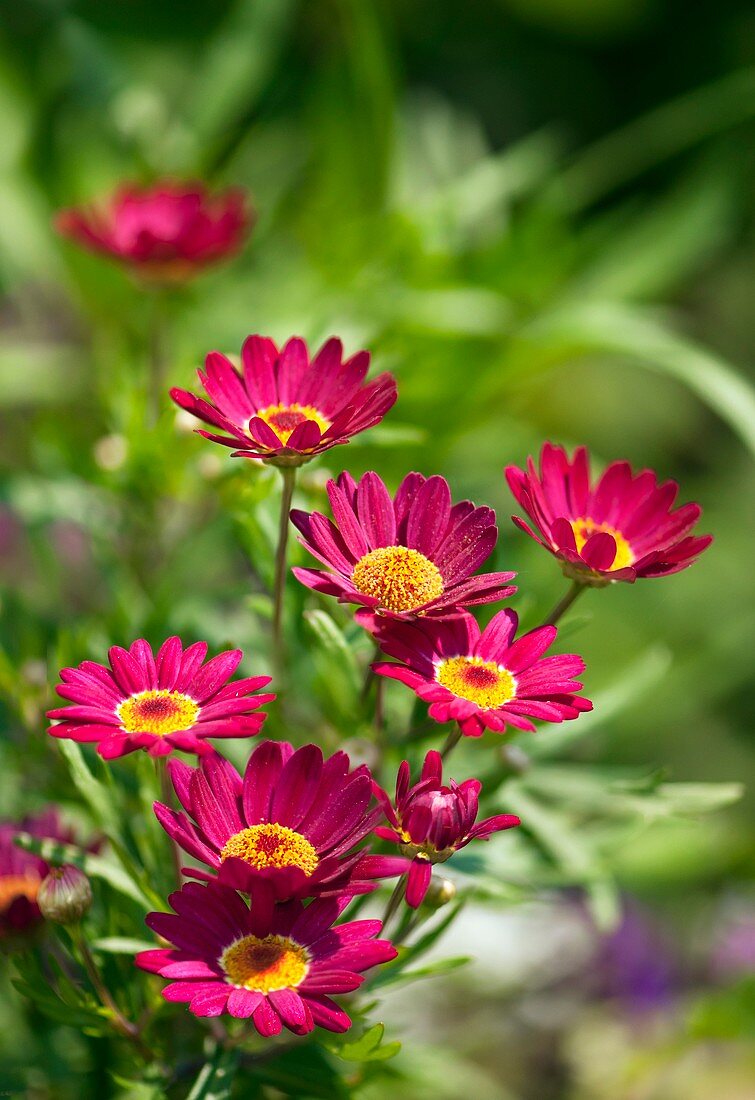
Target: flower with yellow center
[399,578]
[158,712]
[18,886]
[283,419]
[584,528]
[266,964]
[484,683]
[271,845]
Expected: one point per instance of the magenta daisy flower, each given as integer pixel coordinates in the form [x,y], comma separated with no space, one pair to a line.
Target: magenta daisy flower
[482,680]
[403,557]
[294,820]
[283,407]
[22,872]
[621,528]
[165,233]
[158,703]
[277,964]
[430,822]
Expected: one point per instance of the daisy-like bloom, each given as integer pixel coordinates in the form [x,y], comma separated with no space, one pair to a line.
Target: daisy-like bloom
[165,233]
[482,680]
[159,703]
[430,822]
[22,872]
[284,407]
[409,556]
[294,821]
[618,529]
[274,963]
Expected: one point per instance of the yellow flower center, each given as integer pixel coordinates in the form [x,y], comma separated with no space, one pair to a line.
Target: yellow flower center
[157,712]
[284,418]
[400,579]
[265,965]
[18,886]
[583,528]
[271,845]
[481,682]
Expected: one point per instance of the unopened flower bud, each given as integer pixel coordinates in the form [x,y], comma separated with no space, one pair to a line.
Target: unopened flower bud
[64,895]
[440,892]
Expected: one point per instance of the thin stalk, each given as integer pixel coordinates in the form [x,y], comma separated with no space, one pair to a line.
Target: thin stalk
[565,603]
[121,1023]
[166,793]
[451,742]
[288,475]
[395,899]
[158,358]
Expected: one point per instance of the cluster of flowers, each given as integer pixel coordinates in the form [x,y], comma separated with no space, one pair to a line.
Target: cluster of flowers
[281,851]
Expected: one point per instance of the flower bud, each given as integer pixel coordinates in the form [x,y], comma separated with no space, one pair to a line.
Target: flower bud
[439,893]
[64,895]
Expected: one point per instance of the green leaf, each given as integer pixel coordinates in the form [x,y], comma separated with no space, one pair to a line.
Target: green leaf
[629,332]
[121,945]
[215,1079]
[369,1047]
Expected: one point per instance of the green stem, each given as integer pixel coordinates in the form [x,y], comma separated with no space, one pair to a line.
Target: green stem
[158,359]
[565,603]
[121,1023]
[452,741]
[288,474]
[166,793]
[395,899]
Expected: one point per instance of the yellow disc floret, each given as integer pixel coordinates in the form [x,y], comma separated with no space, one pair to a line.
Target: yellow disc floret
[18,886]
[158,712]
[584,528]
[265,965]
[399,578]
[481,682]
[272,845]
[284,418]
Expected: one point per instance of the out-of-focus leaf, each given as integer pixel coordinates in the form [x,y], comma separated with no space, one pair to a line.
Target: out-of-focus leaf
[215,1079]
[654,137]
[589,327]
[92,865]
[303,1071]
[334,645]
[121,945]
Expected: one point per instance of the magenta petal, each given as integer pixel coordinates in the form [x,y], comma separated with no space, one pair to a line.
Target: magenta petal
[418,882]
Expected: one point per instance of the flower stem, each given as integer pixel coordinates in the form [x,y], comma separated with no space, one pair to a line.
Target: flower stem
[166,793]
[451,741]
[121,1023]
[288,474]
[565,603]
[158,358]
[399,890]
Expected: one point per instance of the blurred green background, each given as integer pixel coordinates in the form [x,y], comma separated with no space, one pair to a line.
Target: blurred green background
[539,216]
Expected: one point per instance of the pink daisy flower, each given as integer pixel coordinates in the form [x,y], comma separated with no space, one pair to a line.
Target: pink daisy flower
[406,556]
[482,680]
[165,233]
[277,964]
[284,407]
[621,528]
[430,822]
[158,703]
[294,820]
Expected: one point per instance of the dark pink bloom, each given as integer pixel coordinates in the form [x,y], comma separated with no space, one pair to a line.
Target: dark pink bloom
[284,407]
[482,680]
[430,822]
[22,872]
[158,703]
[165,233]
[404,557]
[621,528]
[277,964]
[294,821]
